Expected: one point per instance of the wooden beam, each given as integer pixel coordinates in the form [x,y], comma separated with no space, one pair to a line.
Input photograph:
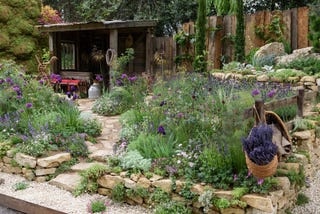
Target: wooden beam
[300,102]
[25,206]
[148,51]
[113,43]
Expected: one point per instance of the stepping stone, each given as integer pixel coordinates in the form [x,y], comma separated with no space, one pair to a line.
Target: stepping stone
[101,155]
[84,166]
[67,182]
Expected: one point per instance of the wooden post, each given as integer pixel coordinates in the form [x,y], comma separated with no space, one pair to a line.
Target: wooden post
[113,43]
[259,115]
[148,51]
[300,102]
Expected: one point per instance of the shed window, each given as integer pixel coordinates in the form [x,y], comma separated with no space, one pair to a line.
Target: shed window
[68,56]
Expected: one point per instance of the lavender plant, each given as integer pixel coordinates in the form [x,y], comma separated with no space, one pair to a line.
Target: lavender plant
[258,145]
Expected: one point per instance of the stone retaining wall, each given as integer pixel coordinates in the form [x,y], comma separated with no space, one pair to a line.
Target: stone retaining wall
[274,202]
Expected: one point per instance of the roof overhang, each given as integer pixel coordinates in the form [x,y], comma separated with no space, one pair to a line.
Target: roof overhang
[98,25]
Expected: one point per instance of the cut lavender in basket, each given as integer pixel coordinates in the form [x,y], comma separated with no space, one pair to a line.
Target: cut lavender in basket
[258,145]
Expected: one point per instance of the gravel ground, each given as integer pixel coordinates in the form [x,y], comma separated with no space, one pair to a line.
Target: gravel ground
[313,192]
[55,198]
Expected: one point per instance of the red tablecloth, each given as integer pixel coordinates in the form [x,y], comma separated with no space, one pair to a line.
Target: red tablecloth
[66,82]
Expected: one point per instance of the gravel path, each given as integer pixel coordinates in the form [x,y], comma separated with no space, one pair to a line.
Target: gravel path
[55,198]
[313,192]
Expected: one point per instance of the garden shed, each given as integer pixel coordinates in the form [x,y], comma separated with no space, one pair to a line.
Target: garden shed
[81,47]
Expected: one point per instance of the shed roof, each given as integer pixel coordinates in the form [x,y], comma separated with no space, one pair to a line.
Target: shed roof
[96,25]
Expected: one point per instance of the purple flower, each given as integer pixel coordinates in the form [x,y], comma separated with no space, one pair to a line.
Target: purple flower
[69,94]
[132,79]
[271,93]
[19,97]
[163,103]
[1,81]
[255,92]
[29,105]
[41,82]
[119,82]
[99,77]
[73,88]
[9,80]
[180,115]
[260,181]
[75,96]
[249,174]
[161,130]
[123,76]
[16,88]
[21,110]
[235,177]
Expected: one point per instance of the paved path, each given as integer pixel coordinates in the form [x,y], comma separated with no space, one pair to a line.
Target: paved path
[111,128]
[104,147]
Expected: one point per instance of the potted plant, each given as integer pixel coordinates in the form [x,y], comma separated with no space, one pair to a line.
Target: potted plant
[260,151]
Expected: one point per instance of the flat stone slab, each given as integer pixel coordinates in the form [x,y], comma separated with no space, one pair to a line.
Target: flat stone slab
[101,155]
[67,182]
[84,166]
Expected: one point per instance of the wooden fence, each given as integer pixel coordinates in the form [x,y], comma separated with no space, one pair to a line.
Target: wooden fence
[221,32]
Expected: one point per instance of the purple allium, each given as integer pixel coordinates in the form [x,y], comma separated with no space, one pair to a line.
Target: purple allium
[73,88]
[132,79]
[19,97]
[9,80]
[271,93]
[260,181]
[41,81]
[161,130]
[75,96]
[16,88]
[180,115]
[68,94]
[29,105]
[99,77]
[53,76]
[255,92]
[163,103]
[1,81]
[123,76]
[119,82]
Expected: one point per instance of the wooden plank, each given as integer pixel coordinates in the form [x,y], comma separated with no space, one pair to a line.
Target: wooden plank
[294,28]
[303,27]
[287,25]
[25,206]
[271,106]
[300,102]
[249,33]
[226,49]
[218,43]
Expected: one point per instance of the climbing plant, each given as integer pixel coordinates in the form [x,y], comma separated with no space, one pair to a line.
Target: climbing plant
[240,39]
[200,63]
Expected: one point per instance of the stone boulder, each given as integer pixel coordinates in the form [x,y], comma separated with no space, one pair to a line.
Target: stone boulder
[25,160]
[296,54]
[54,161]
[275,49]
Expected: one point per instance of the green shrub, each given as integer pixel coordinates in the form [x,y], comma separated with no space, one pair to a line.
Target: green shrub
[4,147]
[287,113]
[116,102]
[153,146]
[97,207]
[118,193]
[89,179]
[92,127]
[134,160]
[172,207]
[309,65]
[265,60]
[20,186]
[302,199]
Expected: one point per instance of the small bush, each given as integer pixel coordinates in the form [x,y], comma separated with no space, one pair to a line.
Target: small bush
[118,193]
[97,206]
[134,160]
[116,102]
[309,65]
[302,199]
[20,186]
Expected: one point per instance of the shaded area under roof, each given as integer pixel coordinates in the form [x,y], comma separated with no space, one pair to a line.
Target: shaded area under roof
[81,26]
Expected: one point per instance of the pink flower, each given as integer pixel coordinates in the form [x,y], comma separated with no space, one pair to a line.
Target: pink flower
[260,181]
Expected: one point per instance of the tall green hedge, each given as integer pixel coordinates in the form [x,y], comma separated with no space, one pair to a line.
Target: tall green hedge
[18,35]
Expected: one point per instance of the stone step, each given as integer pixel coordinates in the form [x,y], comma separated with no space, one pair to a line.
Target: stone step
[67,182]
[84,166]
[101,155]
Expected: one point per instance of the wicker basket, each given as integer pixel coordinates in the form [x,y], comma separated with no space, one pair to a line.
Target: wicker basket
[262,171]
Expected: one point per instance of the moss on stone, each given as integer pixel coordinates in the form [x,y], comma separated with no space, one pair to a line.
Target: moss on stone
[23,47]
[4,40]
[5,13]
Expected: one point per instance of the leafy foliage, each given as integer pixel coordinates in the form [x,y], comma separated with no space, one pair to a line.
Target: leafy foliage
[309,65]
[134,160]
[49,16]
[240,38]
[314,17]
